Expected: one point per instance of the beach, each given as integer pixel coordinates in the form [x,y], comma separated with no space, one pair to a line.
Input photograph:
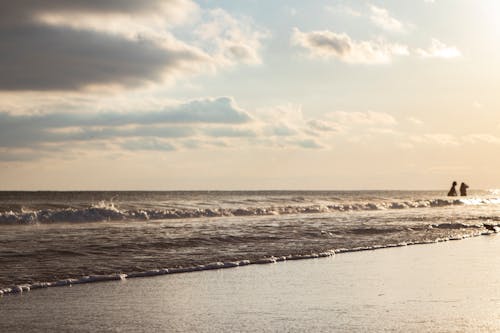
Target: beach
[444,287]
[249,166]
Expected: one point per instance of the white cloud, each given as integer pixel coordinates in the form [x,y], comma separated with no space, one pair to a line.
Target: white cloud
[328,44]
[232,40]
[439,50]
[382,18]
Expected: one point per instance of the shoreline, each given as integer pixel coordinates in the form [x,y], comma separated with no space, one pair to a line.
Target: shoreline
[445,287]
[23,288]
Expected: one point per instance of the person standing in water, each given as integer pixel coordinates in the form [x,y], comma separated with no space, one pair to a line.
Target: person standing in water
[463,189]
[453,191]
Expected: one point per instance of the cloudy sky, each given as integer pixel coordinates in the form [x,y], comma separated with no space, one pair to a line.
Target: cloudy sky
[182,94]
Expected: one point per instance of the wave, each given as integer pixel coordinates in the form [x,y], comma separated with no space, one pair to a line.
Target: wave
[109,212]
[490,229]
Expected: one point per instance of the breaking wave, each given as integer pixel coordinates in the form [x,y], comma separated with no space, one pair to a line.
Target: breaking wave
[109,212]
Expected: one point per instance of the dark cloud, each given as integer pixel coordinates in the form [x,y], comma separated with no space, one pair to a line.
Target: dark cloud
[336,43]
[35,57]
[20,157]
[19,11]
[39,56]
[31,6]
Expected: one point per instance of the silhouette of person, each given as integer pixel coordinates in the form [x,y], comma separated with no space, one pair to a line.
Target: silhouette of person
[453,191]
[463,189]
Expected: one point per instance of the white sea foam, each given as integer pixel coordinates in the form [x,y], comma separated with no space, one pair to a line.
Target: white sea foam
[105,211]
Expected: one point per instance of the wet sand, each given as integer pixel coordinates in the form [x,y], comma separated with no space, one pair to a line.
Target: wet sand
[445,287]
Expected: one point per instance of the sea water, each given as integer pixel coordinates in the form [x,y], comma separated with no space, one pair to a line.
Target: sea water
[62,238]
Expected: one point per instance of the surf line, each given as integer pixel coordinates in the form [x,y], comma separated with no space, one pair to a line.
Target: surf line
[17,289]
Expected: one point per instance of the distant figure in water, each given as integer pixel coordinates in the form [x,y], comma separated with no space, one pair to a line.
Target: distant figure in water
[463,189]
[453,191]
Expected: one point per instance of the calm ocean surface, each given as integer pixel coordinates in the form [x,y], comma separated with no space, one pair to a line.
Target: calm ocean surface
[61,238]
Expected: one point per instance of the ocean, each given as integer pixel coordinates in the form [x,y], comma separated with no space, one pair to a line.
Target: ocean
[62,238]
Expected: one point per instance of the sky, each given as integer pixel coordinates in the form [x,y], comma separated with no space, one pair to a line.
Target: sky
[249,95]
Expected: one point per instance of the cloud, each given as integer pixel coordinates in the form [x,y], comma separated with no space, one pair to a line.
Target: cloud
[171,122]
[211,110]
[328,44]
[281,121]
[286,125]
[382,18]
[116,16]
[73,45]
[40,54]
[212,123]
[362,118]
[230,132]
[95,14]
[233,40]
[151,144]
[38,57]
[203,123]
[353,126]
[439,50]
[323,126]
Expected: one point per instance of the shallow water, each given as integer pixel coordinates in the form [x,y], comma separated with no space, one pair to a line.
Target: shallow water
[445,287]
[56,236]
